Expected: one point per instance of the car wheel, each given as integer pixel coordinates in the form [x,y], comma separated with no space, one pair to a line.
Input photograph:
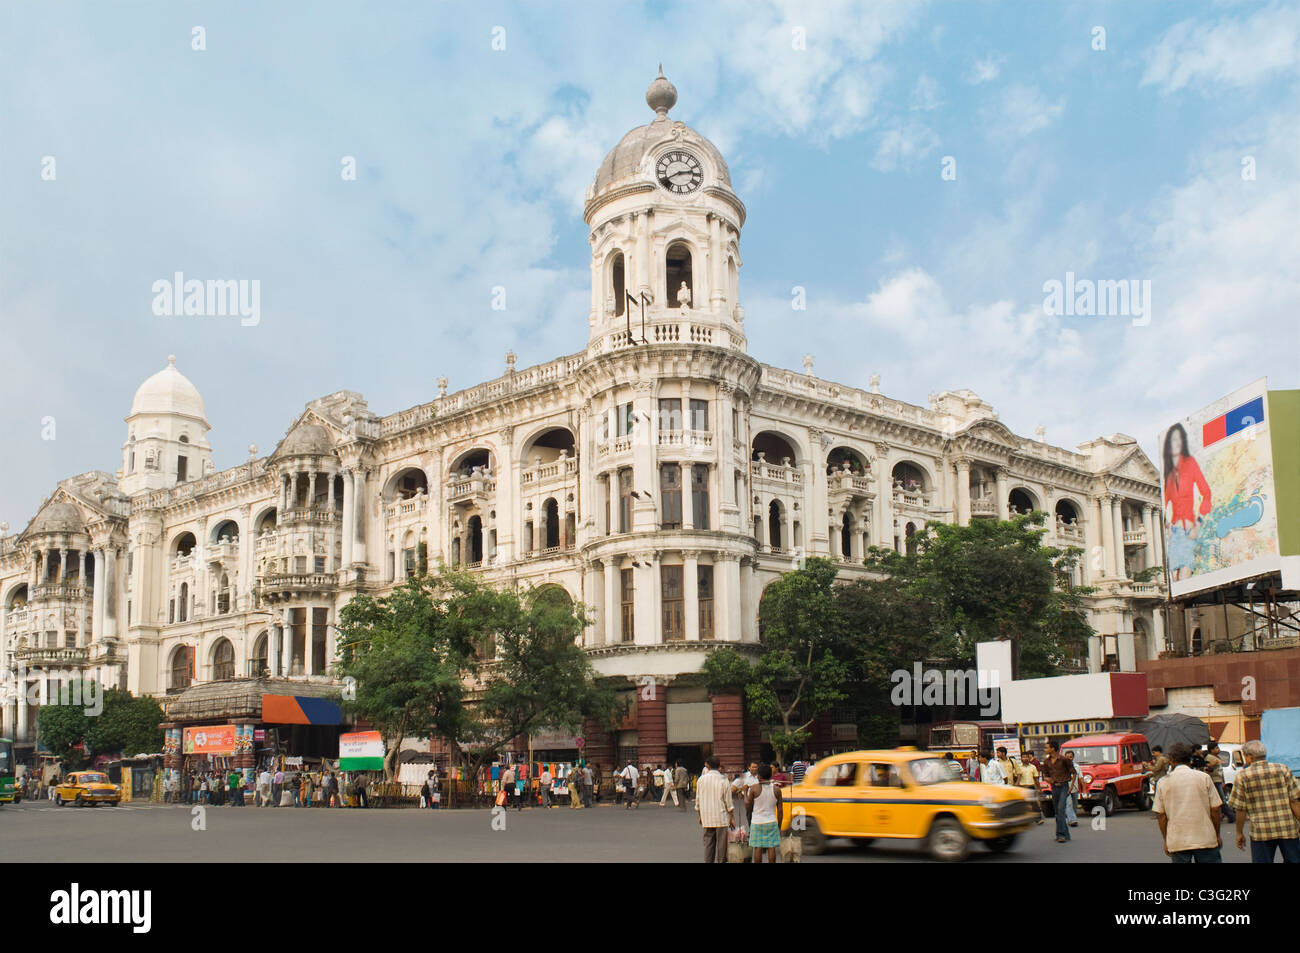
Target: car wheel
[948,840]
[814,841]
[1109,802]
[81,801]
[863,841]
[1143,801]
[58,801]
[1000,845]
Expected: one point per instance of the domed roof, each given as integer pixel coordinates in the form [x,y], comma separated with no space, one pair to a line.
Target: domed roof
[169,392]
[307,439]
[625,158]
[58,518]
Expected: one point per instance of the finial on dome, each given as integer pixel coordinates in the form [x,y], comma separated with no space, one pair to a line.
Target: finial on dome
[662,95]
[171,359]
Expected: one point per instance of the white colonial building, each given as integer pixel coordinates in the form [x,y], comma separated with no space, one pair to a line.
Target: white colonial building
[660,474]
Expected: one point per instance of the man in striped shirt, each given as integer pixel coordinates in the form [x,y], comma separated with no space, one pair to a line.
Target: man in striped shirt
[714,807]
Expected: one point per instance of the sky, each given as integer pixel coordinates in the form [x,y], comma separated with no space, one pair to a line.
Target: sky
[922,171]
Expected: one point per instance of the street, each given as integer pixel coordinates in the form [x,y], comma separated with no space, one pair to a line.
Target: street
[156,833]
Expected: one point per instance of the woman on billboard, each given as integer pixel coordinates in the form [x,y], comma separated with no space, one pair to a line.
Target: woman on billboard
[1182,478]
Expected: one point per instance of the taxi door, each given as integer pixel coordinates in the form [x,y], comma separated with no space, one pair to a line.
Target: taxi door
[879,789]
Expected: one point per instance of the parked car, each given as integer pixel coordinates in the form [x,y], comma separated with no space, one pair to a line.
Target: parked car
[86,787]
[904,795]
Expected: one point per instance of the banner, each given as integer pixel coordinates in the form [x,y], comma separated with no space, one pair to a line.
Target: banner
[361,751]
[212,739]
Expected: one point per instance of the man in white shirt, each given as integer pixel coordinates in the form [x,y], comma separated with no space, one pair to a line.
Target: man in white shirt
[264,788]
[630,776]
[713,806]
[1187,807]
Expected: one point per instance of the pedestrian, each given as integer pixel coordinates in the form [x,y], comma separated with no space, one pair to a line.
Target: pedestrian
[739,786]
[263,797]
[990,770]
[800,768]
[629,777]
[521,785]
[714,809]
[1159,766]
[232,785]
[670,789]
[277,785]
[1059,770]
[681,783]
[547,780]
[430,789]
[363,799]
[1008,769]
[508,785]
[1072,804]
[1214,766]
[1027,781]
[304,799]
[765,807]
[597,779]
[1187,808]
[588,780]
[574,781]
[1267,794]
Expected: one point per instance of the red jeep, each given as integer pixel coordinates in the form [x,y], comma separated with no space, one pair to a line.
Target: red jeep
[1111,768]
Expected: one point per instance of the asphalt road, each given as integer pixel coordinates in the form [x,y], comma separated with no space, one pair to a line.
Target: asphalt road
[171,833]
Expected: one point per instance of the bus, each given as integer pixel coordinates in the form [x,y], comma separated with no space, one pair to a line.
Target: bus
[8,788]
[966,739]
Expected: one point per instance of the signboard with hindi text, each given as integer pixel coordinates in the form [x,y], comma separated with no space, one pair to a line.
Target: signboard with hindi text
[361,751]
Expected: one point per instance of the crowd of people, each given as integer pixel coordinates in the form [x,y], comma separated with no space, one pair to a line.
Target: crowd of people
[295,787]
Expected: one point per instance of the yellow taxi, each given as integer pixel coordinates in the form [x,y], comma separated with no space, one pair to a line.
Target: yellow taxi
[86,787]
[904,795]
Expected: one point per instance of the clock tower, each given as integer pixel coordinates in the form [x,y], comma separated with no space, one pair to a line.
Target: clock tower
[665,237]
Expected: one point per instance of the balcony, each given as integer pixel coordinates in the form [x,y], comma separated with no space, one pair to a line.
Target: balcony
[1069,532]
[182,565]
[561,469]
[914,499]
[225,551]
[16,620]
[410,508]
[685,438]
[763,471]
[984,507]
[51,658]
[1135,537]
[310,514]
[292,582]
[471,490]
[62,592]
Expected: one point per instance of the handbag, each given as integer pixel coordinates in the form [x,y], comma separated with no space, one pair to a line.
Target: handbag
[501,798]
[737,853]
[791,849]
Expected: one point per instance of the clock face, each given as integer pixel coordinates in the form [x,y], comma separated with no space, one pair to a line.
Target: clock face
[679,172]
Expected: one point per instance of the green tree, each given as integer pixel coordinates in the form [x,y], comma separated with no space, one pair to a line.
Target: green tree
[62,728]
[803,664]
[128,725]
[407,661]
[992,580]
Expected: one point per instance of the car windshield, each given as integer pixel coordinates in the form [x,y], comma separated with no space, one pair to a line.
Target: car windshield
[931,770]
[92,779]
[1095,754]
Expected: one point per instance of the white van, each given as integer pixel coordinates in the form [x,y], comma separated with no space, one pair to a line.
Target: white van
[1233,762]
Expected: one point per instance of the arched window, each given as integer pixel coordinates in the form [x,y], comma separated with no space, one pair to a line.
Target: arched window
[846,537]
[774,524]
[184,602]
[184,545]
[774,448]
[475,543]
[1067,512]
[182,667]
[223,661]
[619,282]
[260,654]
[552,511]
[677,262]
[1019,501]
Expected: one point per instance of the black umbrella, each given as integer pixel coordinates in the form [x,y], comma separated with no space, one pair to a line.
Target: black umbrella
[1166,730]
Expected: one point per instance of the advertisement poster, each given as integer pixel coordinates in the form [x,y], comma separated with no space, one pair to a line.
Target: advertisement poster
[213,739]
[361,751]
[1220,509]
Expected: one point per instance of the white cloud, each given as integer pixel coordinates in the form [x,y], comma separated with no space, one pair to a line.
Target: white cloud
[925,94]
[985,69]
[904,145]
[1226,52]
[1021,111]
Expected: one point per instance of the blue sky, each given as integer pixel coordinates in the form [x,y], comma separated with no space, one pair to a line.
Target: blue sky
[1122,163]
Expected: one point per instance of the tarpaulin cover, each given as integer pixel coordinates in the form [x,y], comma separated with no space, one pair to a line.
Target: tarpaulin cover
[299,710]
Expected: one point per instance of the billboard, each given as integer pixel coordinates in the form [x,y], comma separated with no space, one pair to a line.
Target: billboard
[212,739]
[1223,494]
[361,751]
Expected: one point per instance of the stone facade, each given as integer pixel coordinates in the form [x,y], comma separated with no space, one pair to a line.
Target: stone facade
[661,475]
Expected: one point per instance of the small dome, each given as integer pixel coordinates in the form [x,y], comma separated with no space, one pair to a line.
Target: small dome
[169,392]
[58,518]
[626,157]
[307,439]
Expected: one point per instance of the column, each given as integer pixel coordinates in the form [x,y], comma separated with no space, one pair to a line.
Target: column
[329,482]
[963,492]
[1107,524]
[349,501]
[688,493]
[717,281]
[691,594]
[359,513]
[613,602]
[1148,526]
[652,722]
[22,710]
[311,489]
[729,731]
[1004,505]
[81,606]
[97,597]
[1117,519]
[593,593]
[730,595]
[286,646]
[63,567]
[110,593]
[613,526]
[1157,631]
